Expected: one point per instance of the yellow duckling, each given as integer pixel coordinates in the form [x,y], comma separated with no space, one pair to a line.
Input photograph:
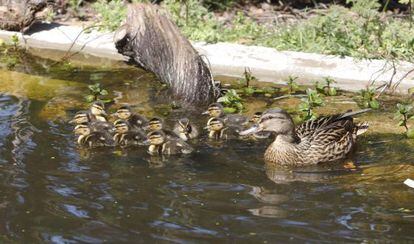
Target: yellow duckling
[135,121]
[161,145]
[325,139]
[184,129]
[216,129]
[125,137]
[97,112]
[92,139]
[236,121]
[84,117]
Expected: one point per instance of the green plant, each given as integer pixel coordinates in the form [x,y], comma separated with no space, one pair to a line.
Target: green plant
[292,86]
[15,41]
[95,93]
[368,98]
[111,13]
[232,102]
[312,100]
[403,114]
[326,88]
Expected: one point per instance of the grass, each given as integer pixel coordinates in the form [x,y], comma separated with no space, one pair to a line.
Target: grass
[361,31]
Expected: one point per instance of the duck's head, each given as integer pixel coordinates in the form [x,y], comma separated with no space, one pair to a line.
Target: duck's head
[123,112]
[215,125]
[98,109]
[156,138]
[155,124]
[80,117]
[256,117]
[215,110]
[121,126]
[184,126]
[82,130]
[274,120]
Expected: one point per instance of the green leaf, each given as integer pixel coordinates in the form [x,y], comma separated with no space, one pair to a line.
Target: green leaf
[410,133]
[374,104]
[90,98]
[229,110]
[104,92]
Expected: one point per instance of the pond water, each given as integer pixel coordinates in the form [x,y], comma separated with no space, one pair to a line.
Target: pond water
[52,191]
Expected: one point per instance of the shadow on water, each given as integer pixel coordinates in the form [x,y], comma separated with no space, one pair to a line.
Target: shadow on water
[53,191]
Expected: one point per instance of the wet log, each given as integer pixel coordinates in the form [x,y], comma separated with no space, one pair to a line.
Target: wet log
[154,42]
[18,15]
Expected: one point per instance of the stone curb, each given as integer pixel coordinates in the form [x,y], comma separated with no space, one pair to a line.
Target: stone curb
[228,59]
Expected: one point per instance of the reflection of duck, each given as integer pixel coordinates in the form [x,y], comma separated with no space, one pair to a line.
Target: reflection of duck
[161,145]
[322,140]
[186,130]
[91,139]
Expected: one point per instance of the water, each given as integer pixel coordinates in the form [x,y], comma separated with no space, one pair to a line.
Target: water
[52,191]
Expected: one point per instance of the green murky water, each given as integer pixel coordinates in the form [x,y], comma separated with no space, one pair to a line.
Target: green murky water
[51,191]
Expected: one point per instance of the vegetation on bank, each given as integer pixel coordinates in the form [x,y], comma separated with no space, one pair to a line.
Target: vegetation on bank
[362,31]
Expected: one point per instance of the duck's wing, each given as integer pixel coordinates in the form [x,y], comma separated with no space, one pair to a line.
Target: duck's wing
[309,127]
[329,143]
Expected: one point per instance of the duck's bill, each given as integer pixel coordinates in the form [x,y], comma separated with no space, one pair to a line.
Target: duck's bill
[205,113]
[252,130]
[72,122]
[146,143]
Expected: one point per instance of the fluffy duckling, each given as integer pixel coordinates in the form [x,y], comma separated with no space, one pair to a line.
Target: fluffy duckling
[216,129]
[97,112]
[156,124]
[236,121]
[325,139]
[125,137]
[135,121]
[186,130]
[92,139]
[161,145]
[84,117]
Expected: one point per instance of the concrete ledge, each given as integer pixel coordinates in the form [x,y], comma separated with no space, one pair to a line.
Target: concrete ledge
[227,59]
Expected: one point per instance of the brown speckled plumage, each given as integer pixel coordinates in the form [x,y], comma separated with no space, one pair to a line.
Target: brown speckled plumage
[325,139]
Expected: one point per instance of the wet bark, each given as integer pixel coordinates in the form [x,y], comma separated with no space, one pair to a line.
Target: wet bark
[154,42]
[18,15]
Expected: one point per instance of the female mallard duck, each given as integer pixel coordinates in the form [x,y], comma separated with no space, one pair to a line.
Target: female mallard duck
[84,117]
[125,137]
[91,139]
[135,121]
[325,139]
[216,110]
[217,130]
[186,130]
[161,145]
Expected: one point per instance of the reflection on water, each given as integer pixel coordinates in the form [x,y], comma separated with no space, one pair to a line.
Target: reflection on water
[53,191]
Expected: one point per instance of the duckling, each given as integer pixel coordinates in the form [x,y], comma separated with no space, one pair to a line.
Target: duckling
[326,139]
[216,129]
[84,117]
[236,121]
[90,138]
[161,145]
[97,112]
[156,124]
[125,137]
[134,120]
[184,129]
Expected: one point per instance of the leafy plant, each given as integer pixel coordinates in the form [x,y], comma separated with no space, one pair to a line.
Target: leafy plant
[312,100]
[326,88]
[292,86]
[232,102]
[111,13]
[95,92]
[368,98]
[403,114]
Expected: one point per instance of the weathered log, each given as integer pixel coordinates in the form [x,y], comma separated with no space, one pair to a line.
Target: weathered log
[154,42]
[18,15]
